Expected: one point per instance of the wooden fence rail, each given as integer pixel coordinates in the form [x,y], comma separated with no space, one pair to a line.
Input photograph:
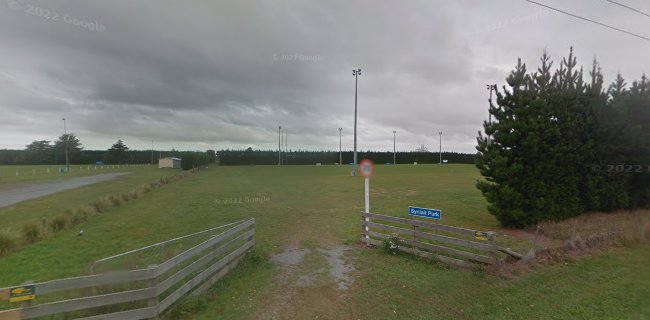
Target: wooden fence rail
[191,271]
[448,248]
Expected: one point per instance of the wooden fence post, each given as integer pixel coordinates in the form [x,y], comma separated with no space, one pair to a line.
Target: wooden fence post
[492,237]
[153,283]
[415,231]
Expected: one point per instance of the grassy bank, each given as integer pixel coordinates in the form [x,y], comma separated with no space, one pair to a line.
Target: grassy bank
[14,217]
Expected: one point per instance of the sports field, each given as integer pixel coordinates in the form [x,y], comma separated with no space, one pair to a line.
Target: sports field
[313,213]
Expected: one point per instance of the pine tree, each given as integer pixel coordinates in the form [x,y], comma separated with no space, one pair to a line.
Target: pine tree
[73,144]
[552,133]
[500,157]
[637,146]
[118,152]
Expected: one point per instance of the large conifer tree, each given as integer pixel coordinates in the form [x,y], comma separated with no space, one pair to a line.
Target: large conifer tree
[552,136]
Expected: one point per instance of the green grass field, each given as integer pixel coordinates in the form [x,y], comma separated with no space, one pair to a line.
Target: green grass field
[318,208]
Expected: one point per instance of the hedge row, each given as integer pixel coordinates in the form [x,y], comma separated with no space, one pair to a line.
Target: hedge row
[271,157]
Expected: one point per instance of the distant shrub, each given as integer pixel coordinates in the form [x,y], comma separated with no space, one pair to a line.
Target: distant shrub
[135,194]
[7,243]
[145,187]
[115,200]
[101,205]
[58,223]
[30,232]
[88,210]
[126,197]
[80,216]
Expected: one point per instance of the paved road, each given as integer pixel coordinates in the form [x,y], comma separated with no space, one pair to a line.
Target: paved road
[30,191]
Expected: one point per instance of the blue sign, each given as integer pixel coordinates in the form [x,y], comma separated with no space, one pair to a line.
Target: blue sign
[425,213]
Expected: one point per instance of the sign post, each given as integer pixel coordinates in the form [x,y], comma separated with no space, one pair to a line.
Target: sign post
[367,194]
[367,168]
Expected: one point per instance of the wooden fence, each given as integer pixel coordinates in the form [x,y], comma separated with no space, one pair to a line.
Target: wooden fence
[452,245]
[138,294]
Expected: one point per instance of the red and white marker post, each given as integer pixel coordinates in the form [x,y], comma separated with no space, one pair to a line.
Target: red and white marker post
[366,167]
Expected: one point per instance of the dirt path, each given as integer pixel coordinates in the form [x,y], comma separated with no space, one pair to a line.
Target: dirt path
[312,284]
[30,191]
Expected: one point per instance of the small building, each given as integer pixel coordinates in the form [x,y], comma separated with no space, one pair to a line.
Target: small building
[169,162]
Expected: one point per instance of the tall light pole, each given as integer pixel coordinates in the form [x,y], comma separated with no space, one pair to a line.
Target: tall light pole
[65,146]
[279,145]
[490,87]
[394,132]
[356,74]
[340,149]
[440,149]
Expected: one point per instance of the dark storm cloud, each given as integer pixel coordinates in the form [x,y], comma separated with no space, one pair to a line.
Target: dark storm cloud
[227,73]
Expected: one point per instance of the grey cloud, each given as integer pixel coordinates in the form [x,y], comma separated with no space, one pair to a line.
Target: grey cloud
[226,74]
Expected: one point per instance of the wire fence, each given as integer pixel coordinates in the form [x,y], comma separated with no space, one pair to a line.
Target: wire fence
[40,170]
[157,253]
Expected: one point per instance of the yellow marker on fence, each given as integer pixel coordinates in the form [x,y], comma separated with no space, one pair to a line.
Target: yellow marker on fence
[22,293]
[480,235]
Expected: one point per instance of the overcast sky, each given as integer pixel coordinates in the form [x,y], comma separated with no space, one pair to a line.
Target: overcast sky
[194,75]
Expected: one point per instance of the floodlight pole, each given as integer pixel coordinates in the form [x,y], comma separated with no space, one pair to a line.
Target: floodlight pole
[356,74]
[279,145]
[65,147]
[394,132]
[286,147]
[440,150]
[340,149]
[490,87]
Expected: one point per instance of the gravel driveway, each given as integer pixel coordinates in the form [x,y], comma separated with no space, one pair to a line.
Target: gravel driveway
[30,191]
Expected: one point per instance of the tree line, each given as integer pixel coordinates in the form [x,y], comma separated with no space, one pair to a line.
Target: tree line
[46,152]
[302,157]
[562,143]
